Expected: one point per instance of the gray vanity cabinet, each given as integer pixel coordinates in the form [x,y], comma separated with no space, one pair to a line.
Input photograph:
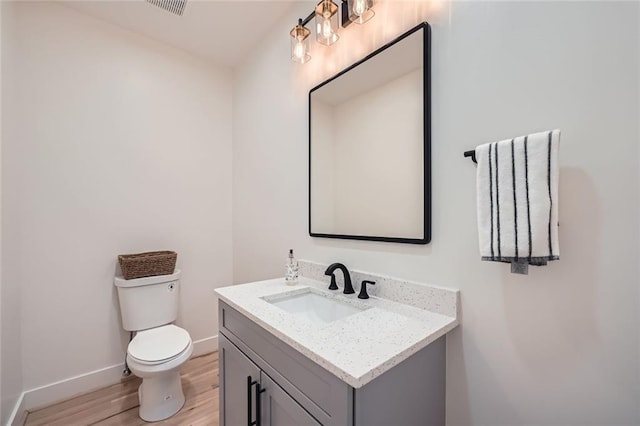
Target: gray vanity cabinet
[234,369]
[298,392]
[277,408]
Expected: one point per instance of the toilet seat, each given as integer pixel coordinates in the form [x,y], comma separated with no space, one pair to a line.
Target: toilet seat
[159,345]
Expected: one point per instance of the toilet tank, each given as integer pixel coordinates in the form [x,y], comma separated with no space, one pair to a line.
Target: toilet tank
[148,302]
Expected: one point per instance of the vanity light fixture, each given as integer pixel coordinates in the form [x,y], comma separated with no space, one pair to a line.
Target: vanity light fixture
[327,22]
[329,16]
[360,11]
[300,43]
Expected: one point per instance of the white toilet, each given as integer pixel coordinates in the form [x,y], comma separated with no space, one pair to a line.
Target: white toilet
[148,306]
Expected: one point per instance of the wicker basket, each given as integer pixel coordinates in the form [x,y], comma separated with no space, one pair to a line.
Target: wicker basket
[147,264]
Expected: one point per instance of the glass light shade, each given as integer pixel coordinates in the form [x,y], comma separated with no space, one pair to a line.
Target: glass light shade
[360,11]
[300,44]
[327,22]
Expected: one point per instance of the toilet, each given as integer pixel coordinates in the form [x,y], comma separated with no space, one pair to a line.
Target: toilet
[149,306]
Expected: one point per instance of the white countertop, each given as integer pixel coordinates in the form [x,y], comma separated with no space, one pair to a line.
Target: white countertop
[357,348]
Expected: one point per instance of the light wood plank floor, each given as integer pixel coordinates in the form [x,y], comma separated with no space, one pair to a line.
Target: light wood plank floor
[118,404]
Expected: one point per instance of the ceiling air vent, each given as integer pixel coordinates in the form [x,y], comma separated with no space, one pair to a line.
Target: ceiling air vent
[173,6]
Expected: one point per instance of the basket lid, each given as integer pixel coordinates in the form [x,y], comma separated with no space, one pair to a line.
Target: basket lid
[157,344]
[137,282]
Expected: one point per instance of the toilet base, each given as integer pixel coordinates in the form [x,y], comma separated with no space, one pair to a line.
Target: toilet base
[160,396]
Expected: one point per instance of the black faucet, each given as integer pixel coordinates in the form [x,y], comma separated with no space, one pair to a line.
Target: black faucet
[363,289]
[348,288]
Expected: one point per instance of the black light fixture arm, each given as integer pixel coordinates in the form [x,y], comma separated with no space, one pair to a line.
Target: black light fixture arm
[308,19]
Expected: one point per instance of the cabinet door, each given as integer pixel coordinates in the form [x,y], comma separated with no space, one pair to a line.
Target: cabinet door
[235,392]
[279,409]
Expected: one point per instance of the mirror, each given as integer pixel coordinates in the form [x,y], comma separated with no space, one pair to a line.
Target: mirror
[369,146]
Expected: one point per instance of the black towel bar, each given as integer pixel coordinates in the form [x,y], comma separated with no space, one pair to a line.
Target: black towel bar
[471,154]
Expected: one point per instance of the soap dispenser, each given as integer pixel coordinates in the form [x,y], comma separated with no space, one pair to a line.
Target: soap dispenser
[291,275]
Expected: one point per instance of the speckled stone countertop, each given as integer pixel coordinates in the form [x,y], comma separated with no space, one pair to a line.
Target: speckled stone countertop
[359,347]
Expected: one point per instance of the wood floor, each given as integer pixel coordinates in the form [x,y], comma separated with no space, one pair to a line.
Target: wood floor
[118,404]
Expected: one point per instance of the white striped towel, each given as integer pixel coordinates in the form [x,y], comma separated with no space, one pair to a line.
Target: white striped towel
[517,192]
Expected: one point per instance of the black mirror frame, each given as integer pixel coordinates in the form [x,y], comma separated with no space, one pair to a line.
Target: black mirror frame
[427,139]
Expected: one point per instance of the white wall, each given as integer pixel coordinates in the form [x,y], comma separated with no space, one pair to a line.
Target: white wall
[10,342]
[113,144]
[559,346]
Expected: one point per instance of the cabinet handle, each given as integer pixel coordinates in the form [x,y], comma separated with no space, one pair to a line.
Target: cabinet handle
[259,390]
[250,383]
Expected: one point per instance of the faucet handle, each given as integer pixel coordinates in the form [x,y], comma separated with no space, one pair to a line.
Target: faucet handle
[363,289]
[333,285]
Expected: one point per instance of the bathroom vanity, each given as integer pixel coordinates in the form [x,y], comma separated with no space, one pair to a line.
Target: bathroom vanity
[304,355]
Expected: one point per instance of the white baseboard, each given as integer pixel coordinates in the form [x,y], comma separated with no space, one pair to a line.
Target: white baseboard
[205,346]
[16,417]
[65,389]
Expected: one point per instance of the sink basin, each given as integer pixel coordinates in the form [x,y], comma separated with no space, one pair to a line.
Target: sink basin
[315,307]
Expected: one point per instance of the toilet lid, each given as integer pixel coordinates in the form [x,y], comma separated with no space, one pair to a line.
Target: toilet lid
[159,343]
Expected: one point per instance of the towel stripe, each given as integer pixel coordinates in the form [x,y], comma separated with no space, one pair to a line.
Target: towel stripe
[498,202]
[526,179]
[515,205]
[491,201]
[549,185]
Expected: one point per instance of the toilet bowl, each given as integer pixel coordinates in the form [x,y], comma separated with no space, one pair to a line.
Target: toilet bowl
[156,355]
[149,307]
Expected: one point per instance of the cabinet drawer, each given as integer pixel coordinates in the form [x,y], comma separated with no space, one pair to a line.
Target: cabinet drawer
[321,393]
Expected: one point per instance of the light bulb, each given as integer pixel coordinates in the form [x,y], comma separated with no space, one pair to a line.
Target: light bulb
[326,28]
[359,7]
[360,11]
[298,50]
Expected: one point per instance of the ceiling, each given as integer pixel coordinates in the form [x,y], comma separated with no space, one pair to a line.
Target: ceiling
[223,32]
